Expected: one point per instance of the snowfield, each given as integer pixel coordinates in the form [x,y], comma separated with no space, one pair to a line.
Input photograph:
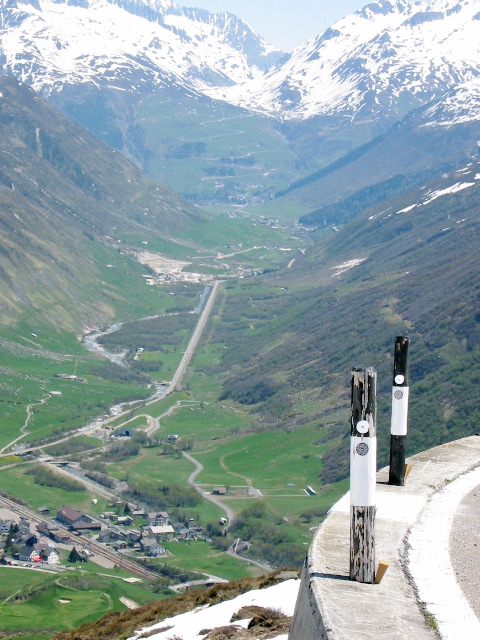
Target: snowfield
[187,626]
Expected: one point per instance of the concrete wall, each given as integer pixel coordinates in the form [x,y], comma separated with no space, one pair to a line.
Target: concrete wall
[332,607]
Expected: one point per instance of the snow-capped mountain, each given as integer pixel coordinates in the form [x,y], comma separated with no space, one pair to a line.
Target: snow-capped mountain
[460,105]
[145,76]
[386,59]
[126,44]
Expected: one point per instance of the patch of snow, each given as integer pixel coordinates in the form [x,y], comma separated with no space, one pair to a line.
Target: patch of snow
[346,266]
[375,215]
[459,186]
[407,209]
[281,596]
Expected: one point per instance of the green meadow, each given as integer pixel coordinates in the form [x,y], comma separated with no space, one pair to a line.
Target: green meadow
[16,482]
[31,601]
[200,556]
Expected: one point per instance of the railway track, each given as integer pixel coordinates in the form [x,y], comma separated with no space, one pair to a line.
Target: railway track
[95,547]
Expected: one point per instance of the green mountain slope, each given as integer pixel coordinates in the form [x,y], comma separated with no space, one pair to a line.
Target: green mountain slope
[409,154]
[207,150]
[64,199]
[407,266]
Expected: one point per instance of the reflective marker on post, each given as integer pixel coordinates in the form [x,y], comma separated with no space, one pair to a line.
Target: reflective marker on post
[363,467]
[399,423]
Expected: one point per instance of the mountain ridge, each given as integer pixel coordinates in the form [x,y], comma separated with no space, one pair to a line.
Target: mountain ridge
[386,57]
[110,64]
[62,193]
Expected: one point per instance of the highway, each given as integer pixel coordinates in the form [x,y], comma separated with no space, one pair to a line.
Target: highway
[192,345]
[172,386]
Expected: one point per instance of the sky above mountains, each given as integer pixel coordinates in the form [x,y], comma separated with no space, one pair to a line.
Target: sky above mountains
[284,23]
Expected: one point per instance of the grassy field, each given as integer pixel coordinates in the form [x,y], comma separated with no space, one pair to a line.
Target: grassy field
[31,601]
[15,482]
[205,422]
[150,464]
[201,556]
[271,461]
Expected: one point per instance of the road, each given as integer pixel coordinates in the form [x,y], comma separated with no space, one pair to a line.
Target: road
[190,350]
[208,496]
[187,356]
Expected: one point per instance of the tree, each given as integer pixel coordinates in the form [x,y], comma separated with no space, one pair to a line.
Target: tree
[74,556]
[9,546]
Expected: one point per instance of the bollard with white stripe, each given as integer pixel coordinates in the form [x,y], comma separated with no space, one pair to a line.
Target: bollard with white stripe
[399,424]
[363,467]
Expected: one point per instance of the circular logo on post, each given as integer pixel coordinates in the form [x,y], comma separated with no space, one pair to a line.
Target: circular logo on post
[362,449]
[398,394]
[363,426]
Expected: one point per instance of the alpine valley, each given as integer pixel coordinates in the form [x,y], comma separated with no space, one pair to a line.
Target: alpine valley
[326,199]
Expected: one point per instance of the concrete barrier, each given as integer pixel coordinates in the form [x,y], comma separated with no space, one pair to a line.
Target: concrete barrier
[332,607]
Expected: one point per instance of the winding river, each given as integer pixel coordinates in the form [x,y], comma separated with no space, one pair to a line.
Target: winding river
[90,342]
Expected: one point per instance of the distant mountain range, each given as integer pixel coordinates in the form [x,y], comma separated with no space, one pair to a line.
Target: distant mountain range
[150,78]
[381,62]
[429,140]
[131,45]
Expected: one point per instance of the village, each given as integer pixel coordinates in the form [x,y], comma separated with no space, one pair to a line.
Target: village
[65,538]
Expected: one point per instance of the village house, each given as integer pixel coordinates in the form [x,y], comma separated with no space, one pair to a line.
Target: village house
[49,554]
[46,528]
[68,515]
[220,491]
[86,524]
[157,519]
[185,533]
[109,535]
[77,521]
[134,536]
[25,538]
[160,533]
[5,526]
[51,530]
[25,553]
[124,521]
[152,548]
[109,515]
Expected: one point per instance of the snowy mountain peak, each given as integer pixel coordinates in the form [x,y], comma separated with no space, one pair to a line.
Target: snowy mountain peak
[127,44]
[383,60]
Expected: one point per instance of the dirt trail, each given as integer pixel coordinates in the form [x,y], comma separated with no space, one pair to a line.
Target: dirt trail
[25,424]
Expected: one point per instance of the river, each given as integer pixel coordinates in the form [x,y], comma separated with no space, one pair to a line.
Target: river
[90,342]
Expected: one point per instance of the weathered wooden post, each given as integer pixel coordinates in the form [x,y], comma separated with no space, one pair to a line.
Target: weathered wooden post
[363,467]
[398,430]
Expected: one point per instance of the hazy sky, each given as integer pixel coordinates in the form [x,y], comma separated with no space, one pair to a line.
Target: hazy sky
[284,23]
